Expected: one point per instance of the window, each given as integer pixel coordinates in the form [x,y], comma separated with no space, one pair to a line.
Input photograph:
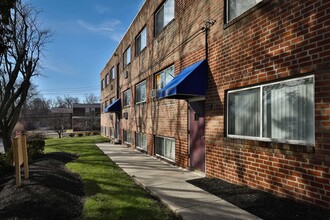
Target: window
[127,56]
[112,73]
[164,77]
[112,100]
[127,136]
[106,79]
[102,84]
[282,111]
[118,69]
[238,7]
[140,92]
[105,104]
[164,15]
[141,141]
[107,131]
[165,147]
[127,97]
[112,132]
[141,41]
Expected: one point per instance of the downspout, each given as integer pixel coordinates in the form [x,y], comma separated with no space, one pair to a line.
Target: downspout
[118,114]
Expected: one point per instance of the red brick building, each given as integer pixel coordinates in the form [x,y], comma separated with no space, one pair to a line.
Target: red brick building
[236,89]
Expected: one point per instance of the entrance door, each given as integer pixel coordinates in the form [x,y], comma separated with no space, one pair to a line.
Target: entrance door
[197,132]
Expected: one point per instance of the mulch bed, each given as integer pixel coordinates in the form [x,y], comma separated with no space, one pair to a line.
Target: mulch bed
[51,192]
[259,203]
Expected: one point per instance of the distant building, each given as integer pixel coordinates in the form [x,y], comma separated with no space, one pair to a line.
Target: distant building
[86,117]
[61,116]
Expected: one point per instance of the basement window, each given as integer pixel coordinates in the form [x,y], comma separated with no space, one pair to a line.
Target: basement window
[141,141]
[127,137]
[165,147]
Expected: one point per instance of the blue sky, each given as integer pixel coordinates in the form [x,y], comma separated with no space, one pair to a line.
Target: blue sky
[85,34]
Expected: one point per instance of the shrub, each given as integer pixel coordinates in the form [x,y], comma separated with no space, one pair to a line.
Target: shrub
[35,148]
[80,134]
[36,145]
[6,162]
[87,133]
[72,134]
[96,132]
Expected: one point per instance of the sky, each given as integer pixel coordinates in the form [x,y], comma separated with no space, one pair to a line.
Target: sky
[84,35]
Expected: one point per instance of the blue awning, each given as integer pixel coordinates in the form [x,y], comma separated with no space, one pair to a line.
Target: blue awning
[189,83]
[113,107]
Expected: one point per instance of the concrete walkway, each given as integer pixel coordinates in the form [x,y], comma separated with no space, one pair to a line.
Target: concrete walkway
[168,183]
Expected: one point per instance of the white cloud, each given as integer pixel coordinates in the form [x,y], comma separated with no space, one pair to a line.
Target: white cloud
[110,28]
[100,9]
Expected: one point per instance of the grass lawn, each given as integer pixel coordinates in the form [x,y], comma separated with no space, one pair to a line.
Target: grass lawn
[110,193]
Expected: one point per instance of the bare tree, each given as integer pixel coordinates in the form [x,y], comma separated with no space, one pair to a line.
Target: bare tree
[5,7]
[66,101]
[69,101]
[19,64]
[91,98]
[57,125]
[36,113]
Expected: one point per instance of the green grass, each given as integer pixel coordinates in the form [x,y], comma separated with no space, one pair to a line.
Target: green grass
[110,193]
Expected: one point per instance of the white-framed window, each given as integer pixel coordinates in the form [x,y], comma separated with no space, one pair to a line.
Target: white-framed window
[112,132]
[278,112]
[102,130]
[165,147]
[237,7]
[140,92]
[141,41]
[112,73]
[164,77]
[164,15]
[102,84]
[107,131]
[127,56]
[127,136]
[127,97]
[112,100]
[141,141]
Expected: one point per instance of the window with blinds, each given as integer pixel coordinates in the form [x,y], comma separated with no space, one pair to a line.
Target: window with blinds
[281,112]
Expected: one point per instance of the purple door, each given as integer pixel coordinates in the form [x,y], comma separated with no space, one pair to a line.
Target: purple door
[197,132]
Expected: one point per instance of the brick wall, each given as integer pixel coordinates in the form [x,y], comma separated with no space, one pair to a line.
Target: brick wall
[272,41]
[276,40]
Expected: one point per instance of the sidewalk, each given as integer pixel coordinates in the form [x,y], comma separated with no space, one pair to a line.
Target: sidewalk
[168,183]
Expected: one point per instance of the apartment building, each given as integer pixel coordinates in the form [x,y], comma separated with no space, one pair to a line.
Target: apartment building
[238,90]
[86,117]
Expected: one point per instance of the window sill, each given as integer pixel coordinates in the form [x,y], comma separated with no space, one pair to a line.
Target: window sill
[141,149]
[140,103]
[166,159]
[286,147]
